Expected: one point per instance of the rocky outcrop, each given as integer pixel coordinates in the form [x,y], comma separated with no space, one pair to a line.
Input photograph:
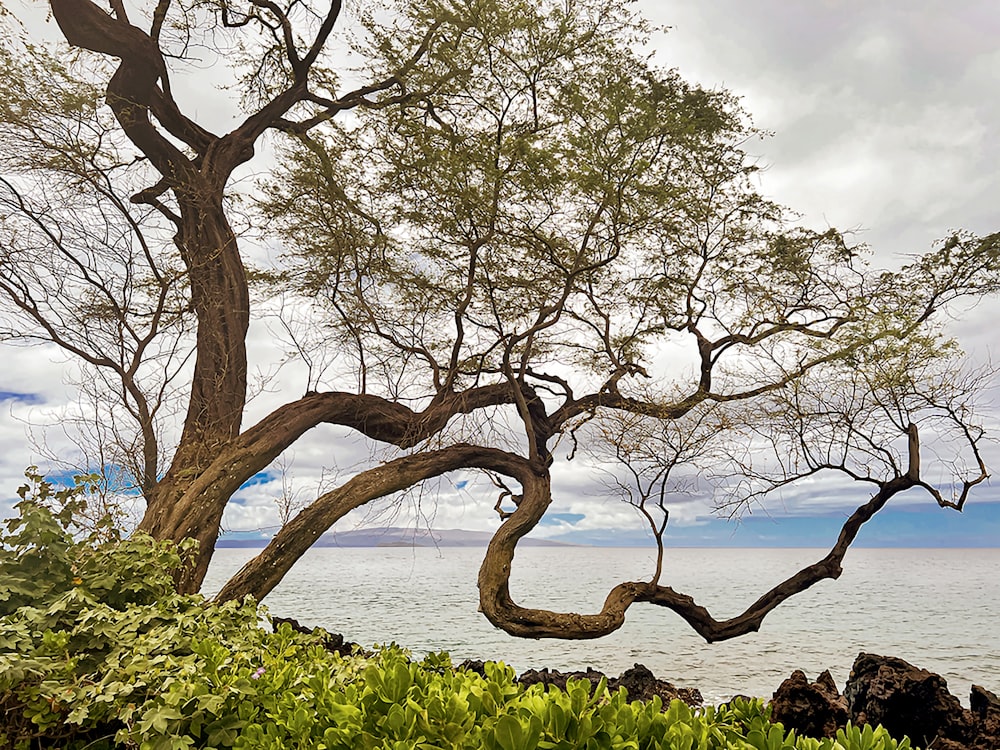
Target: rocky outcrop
[812,709]
[555,678]
[473,665]
[886,690]
[906,700]
[985,718]
[333,642]
[638,681]
[642,685]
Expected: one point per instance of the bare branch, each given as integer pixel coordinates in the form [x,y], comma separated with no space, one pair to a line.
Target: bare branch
[500,609]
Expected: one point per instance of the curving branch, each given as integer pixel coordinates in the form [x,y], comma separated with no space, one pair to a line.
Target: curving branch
[612,399]
[257,447]
[259,576]
[132,92]
[500,609]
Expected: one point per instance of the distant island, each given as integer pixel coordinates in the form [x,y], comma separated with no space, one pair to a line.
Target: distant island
[392,536]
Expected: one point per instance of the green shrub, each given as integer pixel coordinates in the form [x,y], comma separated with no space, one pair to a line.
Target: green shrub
[95,644]
[98,651]
[45,554]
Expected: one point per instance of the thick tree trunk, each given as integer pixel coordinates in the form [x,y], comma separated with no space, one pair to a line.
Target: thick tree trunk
[208,247]
[220,299]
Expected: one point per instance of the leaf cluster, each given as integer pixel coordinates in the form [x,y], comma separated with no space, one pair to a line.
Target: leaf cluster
[94,640]
[534,198]
[545,204]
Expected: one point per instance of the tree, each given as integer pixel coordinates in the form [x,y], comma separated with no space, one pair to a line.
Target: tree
[512,230]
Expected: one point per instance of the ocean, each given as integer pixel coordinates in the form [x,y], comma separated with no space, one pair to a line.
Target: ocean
[937,608]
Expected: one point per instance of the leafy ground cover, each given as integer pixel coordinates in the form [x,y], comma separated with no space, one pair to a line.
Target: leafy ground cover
[98,651]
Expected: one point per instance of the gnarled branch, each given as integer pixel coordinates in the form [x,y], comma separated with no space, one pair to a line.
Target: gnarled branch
[259,576]
[500,609]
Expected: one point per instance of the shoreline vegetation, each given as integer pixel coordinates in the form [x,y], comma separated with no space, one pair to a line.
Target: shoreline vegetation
[99,651]
[881,691]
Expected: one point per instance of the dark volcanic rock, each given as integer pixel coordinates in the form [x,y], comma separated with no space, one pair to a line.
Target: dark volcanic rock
[473,665]
[556,678]
[986,715]
[640,683]
[813,709]
[906,700]
[333,642]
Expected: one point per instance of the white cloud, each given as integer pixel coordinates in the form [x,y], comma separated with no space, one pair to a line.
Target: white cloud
[883,114]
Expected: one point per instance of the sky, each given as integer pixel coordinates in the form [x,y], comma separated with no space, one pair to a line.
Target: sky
[885,120]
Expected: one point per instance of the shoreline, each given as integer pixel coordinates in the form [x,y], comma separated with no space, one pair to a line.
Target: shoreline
[886,690]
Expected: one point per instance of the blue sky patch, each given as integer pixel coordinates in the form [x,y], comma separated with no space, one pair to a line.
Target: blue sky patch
[261,477]
[115,474]
[906,526]
[553,519]
[21,398]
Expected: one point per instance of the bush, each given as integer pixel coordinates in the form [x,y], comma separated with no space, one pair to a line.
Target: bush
[92,633]
[98,651]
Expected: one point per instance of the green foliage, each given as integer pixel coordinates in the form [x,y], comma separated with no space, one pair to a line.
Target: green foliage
[548,204]
[94,642]
[544,163]
[47,557]
[106,655]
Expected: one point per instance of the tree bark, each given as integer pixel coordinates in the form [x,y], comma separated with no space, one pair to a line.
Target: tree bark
[259,576]
[213,459]
[501,610]
[209,250]
[220,298]
[195,509]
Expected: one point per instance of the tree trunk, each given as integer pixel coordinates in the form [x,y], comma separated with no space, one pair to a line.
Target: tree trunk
[220,299]
[218,285]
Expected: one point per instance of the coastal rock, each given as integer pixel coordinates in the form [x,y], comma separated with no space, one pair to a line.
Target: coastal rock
[813,709]
[333,642]
[907,700]
[986,715]
[553,677]
[473,665]
[640,683]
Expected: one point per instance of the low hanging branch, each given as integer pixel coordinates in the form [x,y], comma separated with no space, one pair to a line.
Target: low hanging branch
[259,576]
[261,444]
[503,612]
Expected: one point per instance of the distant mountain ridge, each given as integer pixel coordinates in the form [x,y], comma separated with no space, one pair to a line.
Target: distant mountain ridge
[393,536]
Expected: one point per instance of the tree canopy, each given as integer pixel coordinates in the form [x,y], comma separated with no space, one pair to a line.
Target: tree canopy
[501,227]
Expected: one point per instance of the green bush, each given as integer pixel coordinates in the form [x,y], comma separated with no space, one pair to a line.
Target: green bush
[98,651]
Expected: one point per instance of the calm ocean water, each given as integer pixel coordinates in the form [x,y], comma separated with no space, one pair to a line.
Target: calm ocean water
[937,608]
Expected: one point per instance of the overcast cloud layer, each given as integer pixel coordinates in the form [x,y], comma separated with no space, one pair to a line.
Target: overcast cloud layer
[885,119]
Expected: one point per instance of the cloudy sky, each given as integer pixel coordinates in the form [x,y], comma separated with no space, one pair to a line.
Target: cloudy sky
[886,119]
